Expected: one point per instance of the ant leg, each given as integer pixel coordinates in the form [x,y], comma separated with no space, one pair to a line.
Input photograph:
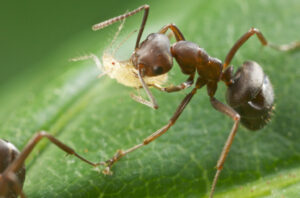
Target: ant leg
[19,161]
[12,178]
[286,47]
[241,41]
[121,17]
[236,118]
[152,103]
[161,131]
[189,82]
[178,35]
[263,41]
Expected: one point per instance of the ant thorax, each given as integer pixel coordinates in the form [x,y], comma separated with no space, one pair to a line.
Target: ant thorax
[125,73]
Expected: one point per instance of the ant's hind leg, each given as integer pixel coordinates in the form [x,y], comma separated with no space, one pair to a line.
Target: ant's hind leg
[263,41]
[236,118]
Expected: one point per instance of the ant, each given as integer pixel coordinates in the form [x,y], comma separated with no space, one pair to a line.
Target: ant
[12,169]
[249,91]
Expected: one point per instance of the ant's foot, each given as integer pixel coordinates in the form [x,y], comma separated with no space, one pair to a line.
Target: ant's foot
[109,163]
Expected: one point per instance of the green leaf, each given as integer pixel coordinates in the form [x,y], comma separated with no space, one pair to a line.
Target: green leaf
[40,89]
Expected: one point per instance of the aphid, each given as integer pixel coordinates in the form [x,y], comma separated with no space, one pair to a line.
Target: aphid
[12,169]
[124,72]
[249,91]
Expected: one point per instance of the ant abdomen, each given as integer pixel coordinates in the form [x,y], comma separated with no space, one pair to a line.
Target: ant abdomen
[8,153]
[251,94]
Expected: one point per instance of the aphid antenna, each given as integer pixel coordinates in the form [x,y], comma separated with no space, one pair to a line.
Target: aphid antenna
[116,34]
[123,41]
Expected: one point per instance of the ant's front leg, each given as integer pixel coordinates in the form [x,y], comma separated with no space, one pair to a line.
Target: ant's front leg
[178,34]
[189,82]
[152,103]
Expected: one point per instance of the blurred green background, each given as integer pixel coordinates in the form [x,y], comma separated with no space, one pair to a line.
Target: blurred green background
[33,30]
[40,89]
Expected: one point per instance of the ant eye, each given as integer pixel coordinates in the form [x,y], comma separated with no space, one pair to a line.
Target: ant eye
[158,70]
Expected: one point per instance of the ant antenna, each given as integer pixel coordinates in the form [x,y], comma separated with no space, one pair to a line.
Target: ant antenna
[116,19]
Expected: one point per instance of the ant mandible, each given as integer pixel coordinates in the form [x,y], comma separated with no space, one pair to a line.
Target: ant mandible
[12,169]
[249,92]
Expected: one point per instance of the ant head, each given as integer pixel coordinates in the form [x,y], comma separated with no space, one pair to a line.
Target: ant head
[153,55]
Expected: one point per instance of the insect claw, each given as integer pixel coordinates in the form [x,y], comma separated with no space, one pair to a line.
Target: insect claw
[107,171]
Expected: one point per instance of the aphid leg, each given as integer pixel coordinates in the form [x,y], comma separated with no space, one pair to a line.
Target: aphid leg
[122,42]
[177,33]
[189,82]
[116,34]
[152,103]
[19,161]
[161,131]
[87,57]
[236,118]
[263,41]
[121,17]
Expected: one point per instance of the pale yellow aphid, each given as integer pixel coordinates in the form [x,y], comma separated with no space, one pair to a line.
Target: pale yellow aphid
[125,73]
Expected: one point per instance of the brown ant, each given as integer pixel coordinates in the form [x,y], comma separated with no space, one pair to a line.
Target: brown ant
[249,91]
[12,169]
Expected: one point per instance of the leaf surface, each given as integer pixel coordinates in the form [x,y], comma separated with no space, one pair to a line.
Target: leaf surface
[97,117]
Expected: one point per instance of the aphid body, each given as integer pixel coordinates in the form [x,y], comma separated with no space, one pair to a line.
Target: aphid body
[125,73]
